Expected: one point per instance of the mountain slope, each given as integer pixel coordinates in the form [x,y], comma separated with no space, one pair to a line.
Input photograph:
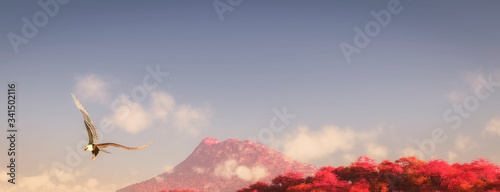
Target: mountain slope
[223,166]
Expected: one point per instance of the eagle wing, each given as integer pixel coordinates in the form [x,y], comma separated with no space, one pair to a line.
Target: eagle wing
[104,145]
[89,124]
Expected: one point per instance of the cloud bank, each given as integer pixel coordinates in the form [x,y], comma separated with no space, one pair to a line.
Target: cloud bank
[231,168]
[49,180]
[307,145]
[493,127]
[135,115]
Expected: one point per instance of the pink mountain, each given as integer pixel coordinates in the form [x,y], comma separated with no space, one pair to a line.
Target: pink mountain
[223,166]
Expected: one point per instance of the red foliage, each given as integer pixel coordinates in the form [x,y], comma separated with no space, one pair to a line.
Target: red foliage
[177,190]
[405,174]
[259,186]
[283,182]
[326,180]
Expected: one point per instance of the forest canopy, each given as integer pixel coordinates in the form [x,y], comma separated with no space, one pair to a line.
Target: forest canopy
[404,174]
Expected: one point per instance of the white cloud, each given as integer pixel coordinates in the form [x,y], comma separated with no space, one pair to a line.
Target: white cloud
[91,86]
[226,169]
[244,173]
[162,105]
[493,126]
[451,156]
[231,168]
[376,151]
[464,143]
[410,151]
[67,175]
[199,170]
[133,119]
[33,183]
[306,145]
[259,173]
[349,157]
[190,120]
[47,181]
[92,183]
[253,174]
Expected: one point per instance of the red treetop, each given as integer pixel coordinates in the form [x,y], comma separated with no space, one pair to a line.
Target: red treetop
[405,174]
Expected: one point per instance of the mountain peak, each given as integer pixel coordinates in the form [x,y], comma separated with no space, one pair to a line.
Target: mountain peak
[210,141]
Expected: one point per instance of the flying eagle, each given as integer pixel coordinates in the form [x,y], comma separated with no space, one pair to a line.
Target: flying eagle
[94,136]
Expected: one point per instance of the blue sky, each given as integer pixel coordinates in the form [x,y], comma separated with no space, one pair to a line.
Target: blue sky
[228,77]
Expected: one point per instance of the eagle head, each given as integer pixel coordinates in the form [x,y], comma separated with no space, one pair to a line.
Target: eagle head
[89,147]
